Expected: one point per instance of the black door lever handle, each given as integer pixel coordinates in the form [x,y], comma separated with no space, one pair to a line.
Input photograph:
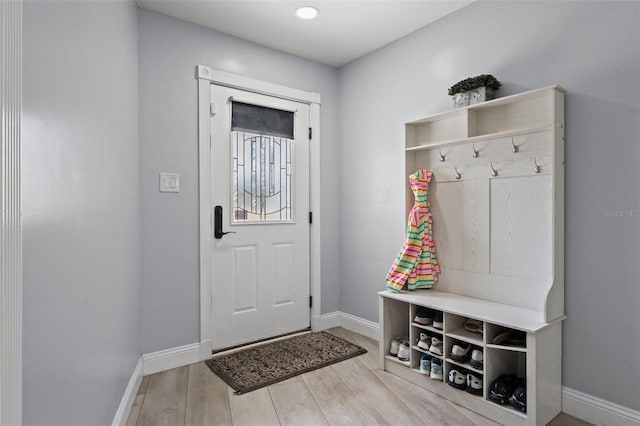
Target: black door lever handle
[217,223]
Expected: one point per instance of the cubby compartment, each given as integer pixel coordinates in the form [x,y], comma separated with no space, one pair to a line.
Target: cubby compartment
[397,314]
[478,376]
[435,314]
[431,350]
[506,338]
[500,362]
[443,127]
[528,113]
[463,362]
[416,358]
[460,328]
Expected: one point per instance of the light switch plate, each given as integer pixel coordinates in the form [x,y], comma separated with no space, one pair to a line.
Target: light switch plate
[169,182]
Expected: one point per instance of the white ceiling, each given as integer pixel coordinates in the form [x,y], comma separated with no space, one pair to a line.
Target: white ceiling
[342,32]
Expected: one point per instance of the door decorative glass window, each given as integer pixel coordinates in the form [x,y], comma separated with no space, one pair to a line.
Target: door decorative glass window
[262,152]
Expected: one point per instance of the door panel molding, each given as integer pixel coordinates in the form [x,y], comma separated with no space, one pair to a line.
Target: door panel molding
[206,77]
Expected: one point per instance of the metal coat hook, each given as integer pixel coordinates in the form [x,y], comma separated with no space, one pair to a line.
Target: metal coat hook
[515,148]
[494,172]
[458,175]
[536,169]
[442,157]
[476,153]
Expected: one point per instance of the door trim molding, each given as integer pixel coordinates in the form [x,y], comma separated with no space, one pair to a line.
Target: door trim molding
[207,76]
[10,219]
[235,81]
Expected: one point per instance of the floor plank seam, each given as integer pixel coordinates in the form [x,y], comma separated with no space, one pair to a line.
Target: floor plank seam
[274,405]
[186,396]
[324,416]
[144,396]
[229,405]
[229,393]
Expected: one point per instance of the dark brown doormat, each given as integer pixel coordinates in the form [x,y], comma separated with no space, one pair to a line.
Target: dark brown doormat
[274,362]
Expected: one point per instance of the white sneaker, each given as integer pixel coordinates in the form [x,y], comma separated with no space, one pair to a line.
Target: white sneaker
[438,321]
[403,351]
[436,369]
[460,352]
[436,346]
[424,341]
[474,385]
[477,359]
[425,364]
[393,349]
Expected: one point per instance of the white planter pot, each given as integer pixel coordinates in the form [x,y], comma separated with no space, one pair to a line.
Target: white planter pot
[474,96]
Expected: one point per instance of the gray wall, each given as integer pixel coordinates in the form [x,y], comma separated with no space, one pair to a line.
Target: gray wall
[590,48]
[169,51]
[81,213]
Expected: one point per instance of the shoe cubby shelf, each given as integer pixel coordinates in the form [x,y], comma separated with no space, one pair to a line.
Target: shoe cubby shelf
[508,347]
[538,356]
[398,361]
[466,336]
[466,366]
[424,351]
[427,328]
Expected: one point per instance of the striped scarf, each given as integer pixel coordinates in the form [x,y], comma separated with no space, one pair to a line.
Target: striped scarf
[416,264]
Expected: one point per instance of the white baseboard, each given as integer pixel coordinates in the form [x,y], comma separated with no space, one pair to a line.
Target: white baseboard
[350,322]
[360,325]
[597,411]
[122,414]
[170,358]
[325,321]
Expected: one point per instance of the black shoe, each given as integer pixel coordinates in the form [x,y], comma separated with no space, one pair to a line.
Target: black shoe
[519,398]
[460,352]
[457,380]
[502,388]
[424,316]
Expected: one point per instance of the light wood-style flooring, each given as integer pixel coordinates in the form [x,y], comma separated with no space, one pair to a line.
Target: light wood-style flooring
[352,392]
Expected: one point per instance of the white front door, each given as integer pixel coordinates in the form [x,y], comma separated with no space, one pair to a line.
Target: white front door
[259,213]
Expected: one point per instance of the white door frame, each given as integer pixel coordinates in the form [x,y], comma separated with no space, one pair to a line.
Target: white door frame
[207,76]
[10,221]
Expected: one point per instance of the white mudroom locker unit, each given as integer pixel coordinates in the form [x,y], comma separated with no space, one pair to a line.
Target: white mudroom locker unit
[497,202]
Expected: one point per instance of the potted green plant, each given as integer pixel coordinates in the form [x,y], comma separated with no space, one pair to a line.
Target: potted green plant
[474,89]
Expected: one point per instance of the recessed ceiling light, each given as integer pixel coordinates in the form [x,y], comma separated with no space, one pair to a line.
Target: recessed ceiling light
[307,12]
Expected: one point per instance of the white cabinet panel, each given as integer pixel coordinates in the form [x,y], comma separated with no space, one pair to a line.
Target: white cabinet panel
[521,217]
[476,225]
[447,201]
